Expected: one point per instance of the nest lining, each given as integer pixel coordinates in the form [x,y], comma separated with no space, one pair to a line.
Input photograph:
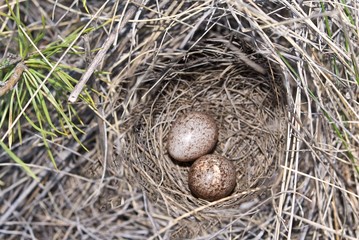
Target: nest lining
[248,108]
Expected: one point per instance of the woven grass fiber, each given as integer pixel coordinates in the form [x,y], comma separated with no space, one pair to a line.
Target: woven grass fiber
[248,106]
[279,77]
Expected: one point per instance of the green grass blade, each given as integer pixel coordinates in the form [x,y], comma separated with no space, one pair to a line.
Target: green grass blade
[19,161]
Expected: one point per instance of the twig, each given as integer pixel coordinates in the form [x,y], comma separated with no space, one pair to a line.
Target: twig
[53,67]
[15,77]
[99,56]
[101,123]
[9,60]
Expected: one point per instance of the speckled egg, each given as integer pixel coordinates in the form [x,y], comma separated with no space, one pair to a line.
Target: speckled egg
[192,136]
[212,177]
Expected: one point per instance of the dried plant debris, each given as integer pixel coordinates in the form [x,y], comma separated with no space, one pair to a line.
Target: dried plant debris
[280,78]
[251,118]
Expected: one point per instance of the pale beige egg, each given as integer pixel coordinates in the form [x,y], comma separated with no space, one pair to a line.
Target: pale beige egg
[192,136]
[212,177]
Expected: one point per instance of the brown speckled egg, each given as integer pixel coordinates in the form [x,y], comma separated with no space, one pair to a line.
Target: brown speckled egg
[192,136]
[212,177]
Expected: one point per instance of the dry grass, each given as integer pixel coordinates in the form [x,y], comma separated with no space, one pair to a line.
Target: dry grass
[281,78]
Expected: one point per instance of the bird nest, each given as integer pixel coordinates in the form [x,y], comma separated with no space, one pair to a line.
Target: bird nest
[160,60]
[245,96]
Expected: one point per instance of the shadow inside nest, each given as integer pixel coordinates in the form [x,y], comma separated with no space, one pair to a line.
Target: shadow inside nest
[249,107]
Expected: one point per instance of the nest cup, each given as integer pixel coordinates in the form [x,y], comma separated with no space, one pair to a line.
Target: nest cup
[248,105]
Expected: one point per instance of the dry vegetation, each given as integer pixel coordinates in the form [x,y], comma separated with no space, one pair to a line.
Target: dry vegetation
[281,79]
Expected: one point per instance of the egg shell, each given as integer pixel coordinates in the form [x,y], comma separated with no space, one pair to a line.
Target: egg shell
[192,136]
[212,177]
